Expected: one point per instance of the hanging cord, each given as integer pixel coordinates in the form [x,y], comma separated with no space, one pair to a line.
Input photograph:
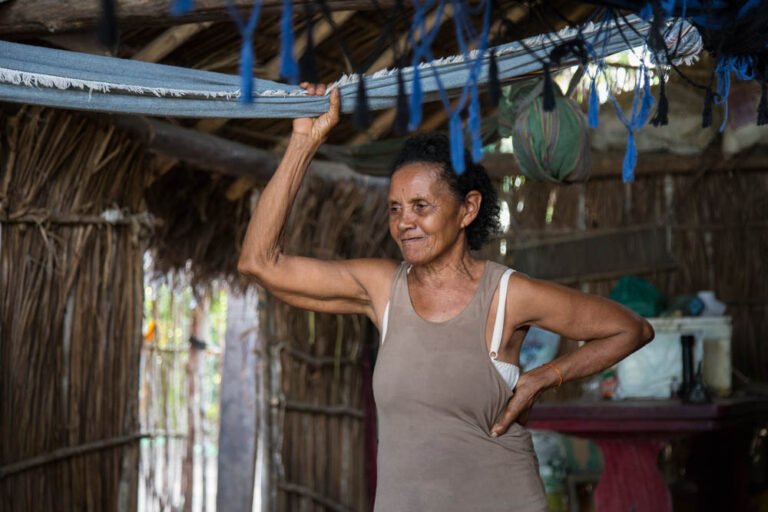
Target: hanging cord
[109,35]
[469,92]
[362,114]
[289,70]
[307,62]
[246,29]
[400,125]
[421,50]
[708,93]
[562,48]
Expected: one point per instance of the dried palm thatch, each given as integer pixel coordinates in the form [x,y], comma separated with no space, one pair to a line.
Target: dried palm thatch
[70,312]
[200,230]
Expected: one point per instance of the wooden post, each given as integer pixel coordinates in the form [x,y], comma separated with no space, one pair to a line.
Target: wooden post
[240,412]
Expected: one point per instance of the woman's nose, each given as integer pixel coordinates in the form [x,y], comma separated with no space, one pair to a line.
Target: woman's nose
[405,220]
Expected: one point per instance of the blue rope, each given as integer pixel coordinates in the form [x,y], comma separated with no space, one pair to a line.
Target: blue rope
[457,142]
[426,39]
[179,7]
[470,90]
[641,107]
[748,6]
[739,66]
[289,70]
[246,29]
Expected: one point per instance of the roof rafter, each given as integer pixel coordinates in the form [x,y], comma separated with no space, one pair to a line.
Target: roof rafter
[19,18]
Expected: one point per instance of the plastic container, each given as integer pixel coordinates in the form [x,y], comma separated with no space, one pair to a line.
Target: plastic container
[651,371]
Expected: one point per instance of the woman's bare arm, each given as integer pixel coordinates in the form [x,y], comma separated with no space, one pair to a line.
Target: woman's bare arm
[327,286]
[611,331]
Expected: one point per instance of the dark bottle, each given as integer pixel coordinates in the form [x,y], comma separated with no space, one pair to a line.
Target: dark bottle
[698,392]
[687,341]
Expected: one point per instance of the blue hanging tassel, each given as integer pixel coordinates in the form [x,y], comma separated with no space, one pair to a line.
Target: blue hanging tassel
[646,104]
[668,6]
[594,105]
[474,126]
[630,159]
[747,6]
[457,143]
[646,12]
[246,49]
[289,71]
[246,72]
[179,7]
[416,96]
[723,73]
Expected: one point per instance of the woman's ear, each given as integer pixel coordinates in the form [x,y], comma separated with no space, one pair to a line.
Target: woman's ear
[472,202]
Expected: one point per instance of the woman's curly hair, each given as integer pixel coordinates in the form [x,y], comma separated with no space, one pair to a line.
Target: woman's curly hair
[435,148]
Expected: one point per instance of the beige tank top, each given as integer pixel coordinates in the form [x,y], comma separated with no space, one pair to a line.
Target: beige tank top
[437,395]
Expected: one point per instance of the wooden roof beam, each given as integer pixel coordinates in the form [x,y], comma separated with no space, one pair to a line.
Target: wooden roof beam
[169,41]
[211,153]
[20,18]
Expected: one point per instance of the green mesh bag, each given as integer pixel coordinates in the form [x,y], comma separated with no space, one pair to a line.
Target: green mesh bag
[549,146]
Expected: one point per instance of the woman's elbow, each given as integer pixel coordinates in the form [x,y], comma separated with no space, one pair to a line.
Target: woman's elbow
[645,332]
[251,267]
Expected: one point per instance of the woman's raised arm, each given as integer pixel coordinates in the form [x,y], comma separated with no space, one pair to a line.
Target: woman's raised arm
[343,286]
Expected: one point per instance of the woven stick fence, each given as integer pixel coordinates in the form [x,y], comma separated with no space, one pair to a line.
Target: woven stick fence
[71,247]
[319,363]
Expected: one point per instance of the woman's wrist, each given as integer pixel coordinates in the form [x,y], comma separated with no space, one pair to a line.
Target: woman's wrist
[543,378]
[303,142]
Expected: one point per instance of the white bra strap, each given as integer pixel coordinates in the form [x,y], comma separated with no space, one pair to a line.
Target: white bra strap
[384,323]
[498,326]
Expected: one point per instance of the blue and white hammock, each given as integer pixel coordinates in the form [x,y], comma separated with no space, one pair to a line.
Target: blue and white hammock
[64,79]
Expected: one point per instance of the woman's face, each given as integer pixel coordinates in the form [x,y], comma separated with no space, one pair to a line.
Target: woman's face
[425,217]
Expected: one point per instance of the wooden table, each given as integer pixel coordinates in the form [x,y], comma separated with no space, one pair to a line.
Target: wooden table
[630,434]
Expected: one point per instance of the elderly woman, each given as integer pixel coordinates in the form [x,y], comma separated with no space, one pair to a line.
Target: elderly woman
[448,390]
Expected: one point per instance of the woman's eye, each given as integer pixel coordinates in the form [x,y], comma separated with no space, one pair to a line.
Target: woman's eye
[420,207]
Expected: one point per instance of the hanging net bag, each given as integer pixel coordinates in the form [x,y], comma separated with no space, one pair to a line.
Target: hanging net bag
[548,146]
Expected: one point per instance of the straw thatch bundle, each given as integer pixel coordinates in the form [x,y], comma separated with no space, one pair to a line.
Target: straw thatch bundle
[70,312]
[201,230]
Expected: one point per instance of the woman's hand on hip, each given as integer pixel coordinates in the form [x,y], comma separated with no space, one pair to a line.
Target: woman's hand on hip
[529,387]
[317,129]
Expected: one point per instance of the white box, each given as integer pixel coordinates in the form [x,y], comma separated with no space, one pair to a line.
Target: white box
[650,372]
